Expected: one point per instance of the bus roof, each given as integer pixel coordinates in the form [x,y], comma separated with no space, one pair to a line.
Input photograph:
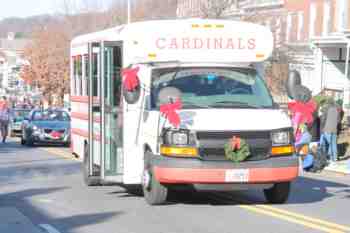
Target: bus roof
[186,40]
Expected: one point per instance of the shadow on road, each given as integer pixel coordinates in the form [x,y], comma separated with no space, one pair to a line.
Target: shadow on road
[18,163]
[13,147]
[19,173]
[309,190]
[304,190]
[21,201]
[22,162]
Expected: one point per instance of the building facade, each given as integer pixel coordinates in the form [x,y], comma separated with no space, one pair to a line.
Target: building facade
[11,61]
[316,33]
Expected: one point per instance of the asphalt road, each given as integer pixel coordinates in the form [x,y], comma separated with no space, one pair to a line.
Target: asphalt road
[43,187]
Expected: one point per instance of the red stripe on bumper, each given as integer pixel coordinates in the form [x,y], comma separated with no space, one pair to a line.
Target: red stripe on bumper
[217,176]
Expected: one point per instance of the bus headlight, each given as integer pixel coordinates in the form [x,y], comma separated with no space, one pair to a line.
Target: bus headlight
[280,138]
[180,137]
[282,143]
[178,143]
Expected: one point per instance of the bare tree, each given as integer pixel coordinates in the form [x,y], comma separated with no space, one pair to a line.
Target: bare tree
[215,8]
[48,54]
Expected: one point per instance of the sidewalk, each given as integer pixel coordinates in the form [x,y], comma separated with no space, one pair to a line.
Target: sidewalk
[342,167]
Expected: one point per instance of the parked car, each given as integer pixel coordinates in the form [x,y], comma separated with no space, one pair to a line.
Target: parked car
[46,127]
[16,122]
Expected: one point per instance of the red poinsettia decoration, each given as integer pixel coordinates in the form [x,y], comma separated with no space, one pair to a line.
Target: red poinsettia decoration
[169,111]
[130,79]
[306,110]
[235,143]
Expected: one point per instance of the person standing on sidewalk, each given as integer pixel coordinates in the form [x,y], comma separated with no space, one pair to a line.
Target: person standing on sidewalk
[330,118]
[4,118]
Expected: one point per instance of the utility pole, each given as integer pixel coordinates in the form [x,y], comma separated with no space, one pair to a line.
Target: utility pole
[129,11]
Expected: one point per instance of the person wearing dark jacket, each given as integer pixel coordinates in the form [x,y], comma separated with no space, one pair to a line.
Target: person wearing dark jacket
[329,123]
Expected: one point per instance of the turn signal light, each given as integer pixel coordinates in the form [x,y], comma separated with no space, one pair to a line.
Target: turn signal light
[281,150]
[179,151]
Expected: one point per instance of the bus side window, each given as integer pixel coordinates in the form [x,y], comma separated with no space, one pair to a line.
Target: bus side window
[86,75]
[73,83]
[95,82]
[117,54]
[79,77]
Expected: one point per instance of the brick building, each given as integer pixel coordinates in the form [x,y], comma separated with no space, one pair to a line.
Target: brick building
[316,32]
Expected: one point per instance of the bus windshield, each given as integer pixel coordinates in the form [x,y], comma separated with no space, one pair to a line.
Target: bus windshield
[213,87]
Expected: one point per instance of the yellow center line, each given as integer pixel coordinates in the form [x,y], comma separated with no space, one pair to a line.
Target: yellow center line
[289,216]
[60,153]
[307,218]
[290,219]
[311,222]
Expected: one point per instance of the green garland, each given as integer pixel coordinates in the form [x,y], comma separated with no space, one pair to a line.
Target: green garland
[237,154]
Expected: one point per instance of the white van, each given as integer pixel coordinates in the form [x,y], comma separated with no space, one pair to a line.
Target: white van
[188,87]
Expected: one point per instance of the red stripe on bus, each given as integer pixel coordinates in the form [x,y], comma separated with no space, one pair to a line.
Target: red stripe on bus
[84,117]
[218,176]
[84,133]
[83,99]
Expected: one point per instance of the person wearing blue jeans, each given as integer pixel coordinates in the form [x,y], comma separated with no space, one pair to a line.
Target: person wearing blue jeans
[330,119]
[329,140]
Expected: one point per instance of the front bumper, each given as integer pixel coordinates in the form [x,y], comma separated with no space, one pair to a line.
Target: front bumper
[195,171]
[47,140]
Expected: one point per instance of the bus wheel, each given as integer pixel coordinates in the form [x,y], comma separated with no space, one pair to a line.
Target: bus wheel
[278,194]
[154,192]
[88,180]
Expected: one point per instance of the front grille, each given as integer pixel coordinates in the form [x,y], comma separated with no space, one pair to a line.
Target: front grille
[48,131]
[211,144]
[229,134]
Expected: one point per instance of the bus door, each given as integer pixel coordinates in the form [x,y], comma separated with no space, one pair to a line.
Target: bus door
[105,112]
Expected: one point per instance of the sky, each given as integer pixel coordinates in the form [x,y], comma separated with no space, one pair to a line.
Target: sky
[25,8]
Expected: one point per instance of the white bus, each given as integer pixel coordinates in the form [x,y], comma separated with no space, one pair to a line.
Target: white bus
[154,104]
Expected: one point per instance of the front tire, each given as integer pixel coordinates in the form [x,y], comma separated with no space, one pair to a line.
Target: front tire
[88,180]
[278,194]
[154,192]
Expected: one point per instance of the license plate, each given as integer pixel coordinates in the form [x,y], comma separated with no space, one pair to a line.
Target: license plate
[237,175]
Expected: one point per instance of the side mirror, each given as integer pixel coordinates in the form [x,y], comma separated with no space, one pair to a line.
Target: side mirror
[168,94]
[131,97]
[131,87]
[293,80]
[302,93]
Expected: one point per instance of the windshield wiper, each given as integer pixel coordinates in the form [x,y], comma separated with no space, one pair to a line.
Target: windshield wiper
[230,104]
[186,104]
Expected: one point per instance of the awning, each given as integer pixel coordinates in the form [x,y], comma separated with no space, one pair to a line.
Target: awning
[334,40]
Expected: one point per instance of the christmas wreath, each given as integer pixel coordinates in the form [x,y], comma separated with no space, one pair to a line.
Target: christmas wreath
[237,149]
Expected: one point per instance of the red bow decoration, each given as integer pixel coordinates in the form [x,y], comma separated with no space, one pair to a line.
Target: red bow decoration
[235,143]
[306,110]
[169,111]
[131,80]
[56,134]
